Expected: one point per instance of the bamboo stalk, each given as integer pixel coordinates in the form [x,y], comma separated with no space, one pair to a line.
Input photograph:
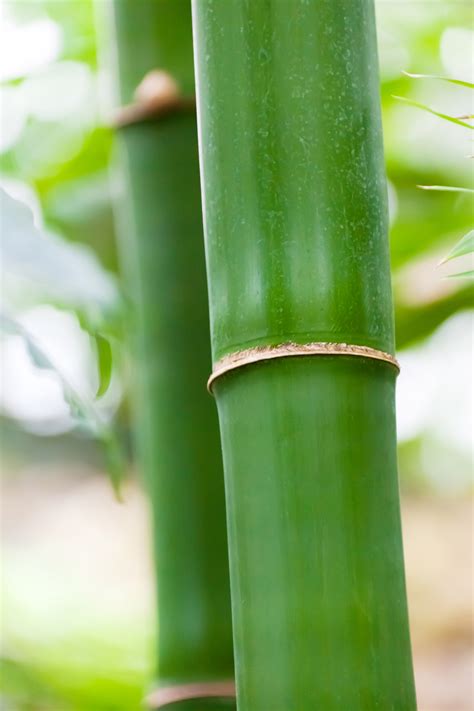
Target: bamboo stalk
[297,253]
[160,230]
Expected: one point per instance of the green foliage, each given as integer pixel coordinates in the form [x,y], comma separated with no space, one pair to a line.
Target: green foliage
[65,163]
[70,276]
[458,82]
[69,686]
[59,272]
[445,189]
[466,244]
[464,275]
[82,409]
[104,360]
[446,117]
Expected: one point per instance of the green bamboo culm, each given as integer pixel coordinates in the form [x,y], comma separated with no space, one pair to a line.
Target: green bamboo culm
[295,211]
[160,234]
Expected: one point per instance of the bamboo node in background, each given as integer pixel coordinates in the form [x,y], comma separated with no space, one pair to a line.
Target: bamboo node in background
[285,350]
[184,692]
[158,94]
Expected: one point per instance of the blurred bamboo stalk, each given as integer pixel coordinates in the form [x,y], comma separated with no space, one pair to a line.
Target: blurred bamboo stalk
[295,211]
[160,229]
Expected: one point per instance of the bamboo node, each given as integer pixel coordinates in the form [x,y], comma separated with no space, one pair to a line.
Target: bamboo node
[184,692]
[157,94]
[242,358]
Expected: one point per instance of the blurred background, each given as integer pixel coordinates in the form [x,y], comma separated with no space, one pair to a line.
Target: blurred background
[77,619]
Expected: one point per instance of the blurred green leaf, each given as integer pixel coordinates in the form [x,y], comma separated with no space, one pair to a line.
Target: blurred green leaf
[37,356]
[459,82]
[79,204]
[70,274]
[446,117]
[45,684]
[463,275]
[425,220]
[115,460]
[445,188]
[464,246]
[82,409]
[104,362]
[413,323]
[22,686]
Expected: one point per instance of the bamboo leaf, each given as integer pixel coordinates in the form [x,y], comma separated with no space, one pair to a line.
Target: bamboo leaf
[38,358]
[79,408]
[462,275]
[115,461]
[446,188]
[459,82]
[82,409]
[446,117]
[64,273]
[464,246]
[104,363]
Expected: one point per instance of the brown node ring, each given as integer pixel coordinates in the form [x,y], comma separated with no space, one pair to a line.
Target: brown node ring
[285,350]
[158,94]
[184,692]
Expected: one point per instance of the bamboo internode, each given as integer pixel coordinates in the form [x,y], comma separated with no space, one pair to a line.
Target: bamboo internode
[295,214]
[176,431]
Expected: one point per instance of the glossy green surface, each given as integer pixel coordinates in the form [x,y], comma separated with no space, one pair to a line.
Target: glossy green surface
[297,250]
[153,34]
[316,558]
[293,172]
[160,226]
[178,431]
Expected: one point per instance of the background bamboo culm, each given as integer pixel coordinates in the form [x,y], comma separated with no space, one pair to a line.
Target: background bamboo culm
[160,225]
[297,251]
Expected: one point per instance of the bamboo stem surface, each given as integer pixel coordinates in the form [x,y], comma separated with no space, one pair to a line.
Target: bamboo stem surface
[160,230]
[295,212]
